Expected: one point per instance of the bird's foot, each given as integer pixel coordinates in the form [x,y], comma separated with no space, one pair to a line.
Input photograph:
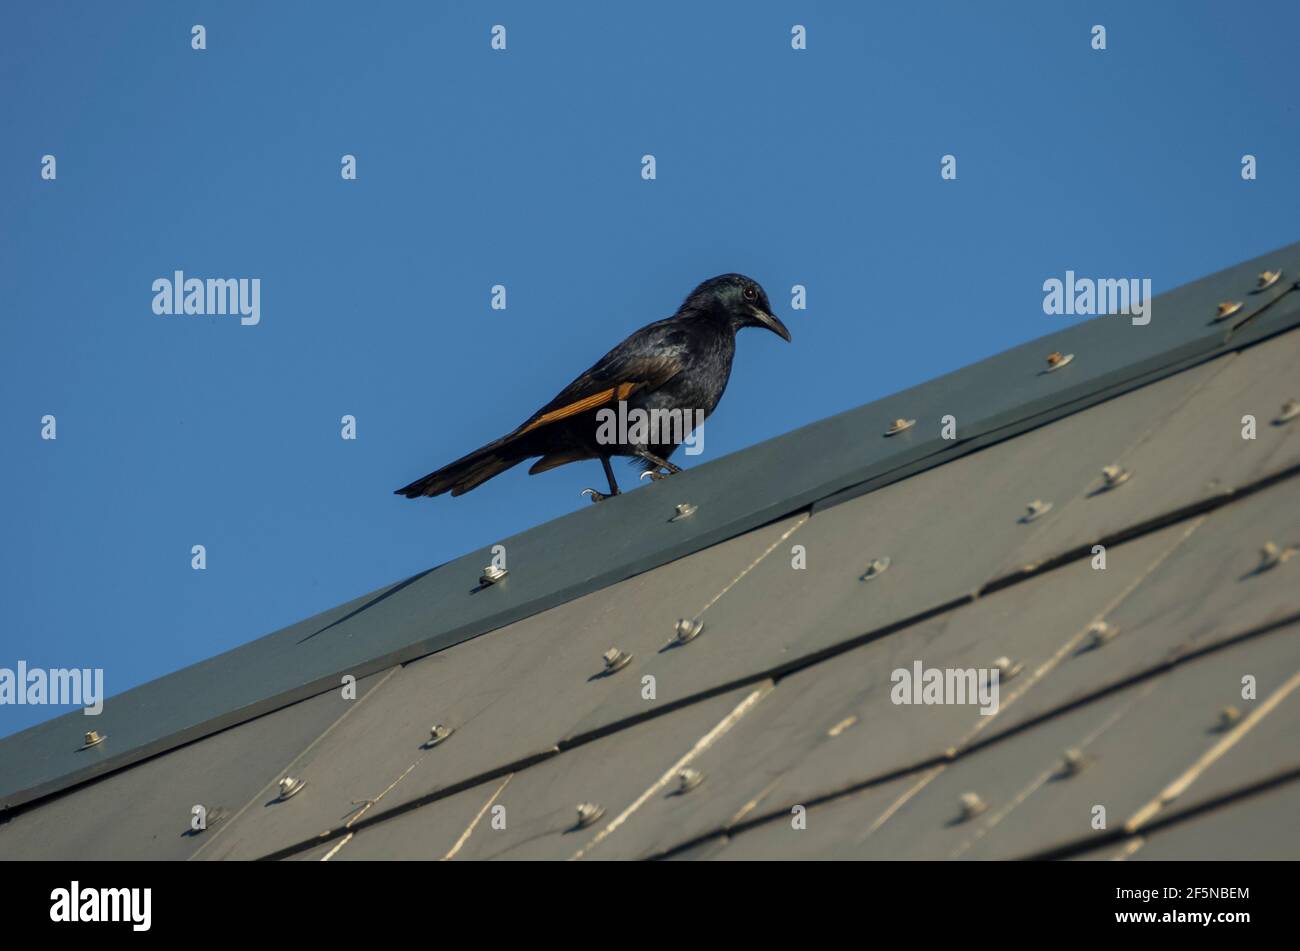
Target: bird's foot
[655,474]
[598,496]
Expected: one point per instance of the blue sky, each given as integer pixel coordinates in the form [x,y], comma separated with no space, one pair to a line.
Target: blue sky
[817,167]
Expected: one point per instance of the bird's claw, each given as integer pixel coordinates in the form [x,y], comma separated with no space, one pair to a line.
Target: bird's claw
[595,496]
[655,474]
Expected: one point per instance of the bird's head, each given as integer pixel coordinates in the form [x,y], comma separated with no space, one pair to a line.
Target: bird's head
[739,300]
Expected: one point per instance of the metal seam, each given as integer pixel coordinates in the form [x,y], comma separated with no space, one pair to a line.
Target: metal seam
[1210,756]
[464,836]
[289,766]
[701,745]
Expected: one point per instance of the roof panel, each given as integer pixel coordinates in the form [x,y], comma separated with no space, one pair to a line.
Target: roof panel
[1261,828]
[834,725]
[508,697]
[1207,589]
[539,805]
[946,532]
[438,830]
[144,812]
[827,830]
[1193,453]
[1139,740]
[1172,723]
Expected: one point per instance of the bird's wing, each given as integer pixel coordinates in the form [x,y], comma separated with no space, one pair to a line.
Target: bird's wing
[648,359]
[644,361]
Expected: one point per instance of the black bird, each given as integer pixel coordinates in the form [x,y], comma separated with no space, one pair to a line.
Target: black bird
[680,363]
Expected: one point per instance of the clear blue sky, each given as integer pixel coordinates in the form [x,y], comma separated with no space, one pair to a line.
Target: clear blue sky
[818,167]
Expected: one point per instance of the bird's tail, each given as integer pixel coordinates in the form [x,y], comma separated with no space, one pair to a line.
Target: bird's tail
[467,472]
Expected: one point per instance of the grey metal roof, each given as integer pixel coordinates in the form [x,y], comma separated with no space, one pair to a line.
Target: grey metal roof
[783,700]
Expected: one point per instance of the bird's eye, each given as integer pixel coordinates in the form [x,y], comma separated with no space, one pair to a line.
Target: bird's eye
[749,293]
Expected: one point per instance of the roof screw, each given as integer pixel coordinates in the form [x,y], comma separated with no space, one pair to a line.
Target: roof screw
[437,733]
[93,738]
[1056,359]
[1007,668]
[971,805]
[1034,510]
[1229,717]
[1290,410]
[898,425]
[492,574]
[290,787]
[1267,279]
[616,660]
[1272,555]
[1113,476]
[686,630]
[1099,633]
[688,779]
[876,568]
[1226,309]
[685,510]
[589,813]
[1073,762]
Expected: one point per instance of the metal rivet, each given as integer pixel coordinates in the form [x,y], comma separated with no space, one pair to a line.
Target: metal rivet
[1036,509]
[1272,555]
[1100,632]
[1290,410]
[1007,668]
[1226,309]
[971,805]
[898,425]
[1113,476]
[1229,717]
[492,574]
[1073,762]
[1267,279]
[685,510]
[615,659]
[437,733]
[1056,359]
[93,738]
[688,779]
[589,813]
[876,568]
[290,787]
[686,630]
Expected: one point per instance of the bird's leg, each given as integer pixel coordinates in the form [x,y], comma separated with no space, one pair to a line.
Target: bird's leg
[613,484]
[658,463]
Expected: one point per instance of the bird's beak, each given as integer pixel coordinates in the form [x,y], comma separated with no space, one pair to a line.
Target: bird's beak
[771,322]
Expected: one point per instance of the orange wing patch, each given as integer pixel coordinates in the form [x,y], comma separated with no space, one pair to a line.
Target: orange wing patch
[613,394]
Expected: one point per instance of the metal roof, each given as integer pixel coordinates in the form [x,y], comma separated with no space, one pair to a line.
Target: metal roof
[783,699]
